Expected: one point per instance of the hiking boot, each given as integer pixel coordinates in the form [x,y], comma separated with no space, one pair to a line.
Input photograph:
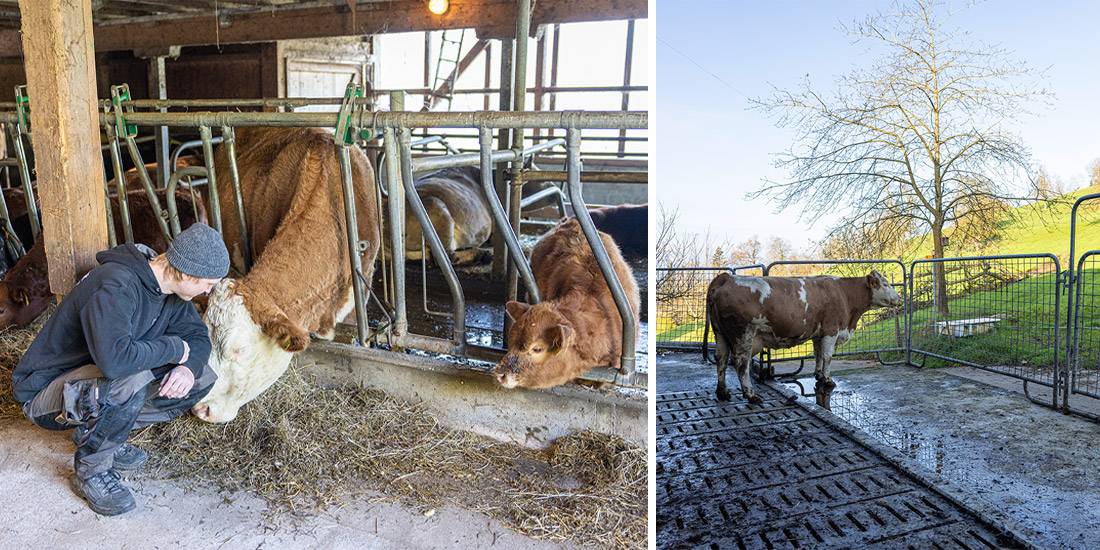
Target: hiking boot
[129,458]
[104,493]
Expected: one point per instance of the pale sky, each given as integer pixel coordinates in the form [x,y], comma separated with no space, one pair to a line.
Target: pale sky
[712,55]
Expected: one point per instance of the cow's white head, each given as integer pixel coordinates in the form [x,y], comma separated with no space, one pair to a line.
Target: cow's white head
[247,357]
[883,294]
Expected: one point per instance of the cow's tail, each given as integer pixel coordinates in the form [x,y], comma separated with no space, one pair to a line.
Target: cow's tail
[706,328]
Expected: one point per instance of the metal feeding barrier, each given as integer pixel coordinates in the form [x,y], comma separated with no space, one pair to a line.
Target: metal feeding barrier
[355,125]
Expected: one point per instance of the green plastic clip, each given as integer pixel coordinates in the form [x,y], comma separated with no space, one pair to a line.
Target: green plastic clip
[345,129]
[119,94]
[23,108]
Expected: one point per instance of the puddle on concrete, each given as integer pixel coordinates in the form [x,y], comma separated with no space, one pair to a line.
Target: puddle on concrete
[855,408]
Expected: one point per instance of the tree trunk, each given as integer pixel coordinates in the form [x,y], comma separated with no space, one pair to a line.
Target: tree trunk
[939,284]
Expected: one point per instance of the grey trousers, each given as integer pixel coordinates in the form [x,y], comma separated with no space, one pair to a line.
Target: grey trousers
[104,412]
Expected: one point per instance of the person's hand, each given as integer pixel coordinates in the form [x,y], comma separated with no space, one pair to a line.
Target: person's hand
[186,353]
[177,383]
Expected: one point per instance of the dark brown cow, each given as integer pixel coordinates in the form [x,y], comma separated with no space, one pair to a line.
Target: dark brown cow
[628,224]
[752,313]
[25,289]
[576,326]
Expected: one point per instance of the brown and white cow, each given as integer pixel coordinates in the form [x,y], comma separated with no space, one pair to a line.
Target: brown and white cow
[458,211]
[628,224]
[25,289]
[576,326]
[300,281]
[752,313]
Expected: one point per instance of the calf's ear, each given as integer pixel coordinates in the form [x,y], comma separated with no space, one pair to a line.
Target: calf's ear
[559,337]
[289,336]
[516,310]
[19,296]
[872,280]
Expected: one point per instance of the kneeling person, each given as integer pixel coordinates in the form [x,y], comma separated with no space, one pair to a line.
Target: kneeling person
[124,349]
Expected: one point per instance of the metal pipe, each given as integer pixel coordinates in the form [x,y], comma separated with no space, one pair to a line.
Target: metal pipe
[500,219]
[211,179]
[552,191]
[229,141]
[10,239]
[434,243]
[607,120]
[397,228]
[147,184]
[519,103]
[431,164]
[573,146]
[355,246]
[173,182]
[627,65]
[507,79]
[120,184]
[188,145]
[112,236]
[28,189]
[589,176]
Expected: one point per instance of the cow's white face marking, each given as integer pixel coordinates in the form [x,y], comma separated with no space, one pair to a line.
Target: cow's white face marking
[755,284]
[246,360]
[885,295]
[803,296]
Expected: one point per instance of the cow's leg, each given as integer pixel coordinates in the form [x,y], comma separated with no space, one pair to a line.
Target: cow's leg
[723,357]
[828,346]
[819,366]
[743,355]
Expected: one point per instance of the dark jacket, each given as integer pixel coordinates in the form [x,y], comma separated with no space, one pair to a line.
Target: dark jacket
[117,318]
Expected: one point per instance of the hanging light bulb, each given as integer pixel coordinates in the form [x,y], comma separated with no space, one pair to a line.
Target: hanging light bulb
[439,7]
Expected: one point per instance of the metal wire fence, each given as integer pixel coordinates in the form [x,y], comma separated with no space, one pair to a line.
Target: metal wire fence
[681,303]
[997,313]
[880,332]
[1085,375]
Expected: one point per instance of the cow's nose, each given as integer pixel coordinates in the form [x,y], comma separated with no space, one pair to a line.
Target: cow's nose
[201,410]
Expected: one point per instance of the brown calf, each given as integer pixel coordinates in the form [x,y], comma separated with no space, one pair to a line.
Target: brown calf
[752,313]
[577,326]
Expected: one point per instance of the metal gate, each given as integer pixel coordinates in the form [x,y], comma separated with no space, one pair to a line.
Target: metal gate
[1081,378]
[996,313]
[681,303]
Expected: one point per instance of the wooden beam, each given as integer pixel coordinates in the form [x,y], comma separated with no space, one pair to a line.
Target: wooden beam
[490,17]
[57,39]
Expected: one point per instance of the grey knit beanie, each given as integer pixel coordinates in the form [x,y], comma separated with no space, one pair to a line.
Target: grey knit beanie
[198,251]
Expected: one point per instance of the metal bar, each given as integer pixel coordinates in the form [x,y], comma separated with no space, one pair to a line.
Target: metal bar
[112,236]
[626,78]
[158,90]
[146,183]
[1071,361]
[431,164]
[589,176]
[605,120]
[173,182]
[552,191]
[10,239]
[229,141]
[355,246]
[120,184]
[519,103]
[188,145]
[576,197]
[507,79]
[212,179]
[438,251]
[25,176]
[397,231]
[500,218]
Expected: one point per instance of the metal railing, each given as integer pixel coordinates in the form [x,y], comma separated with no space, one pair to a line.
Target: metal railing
[355,125]
[681,302]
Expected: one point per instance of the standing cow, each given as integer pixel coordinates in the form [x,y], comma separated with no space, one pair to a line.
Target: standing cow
[300,282]
[752,313]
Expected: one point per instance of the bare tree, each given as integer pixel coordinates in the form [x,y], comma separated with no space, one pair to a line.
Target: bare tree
[676,249]
[1094,173]
[913,142]
[747,252]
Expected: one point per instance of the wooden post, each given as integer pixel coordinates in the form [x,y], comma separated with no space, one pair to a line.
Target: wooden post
[60,65]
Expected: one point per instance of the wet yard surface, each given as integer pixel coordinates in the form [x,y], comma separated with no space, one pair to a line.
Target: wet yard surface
[1035,464]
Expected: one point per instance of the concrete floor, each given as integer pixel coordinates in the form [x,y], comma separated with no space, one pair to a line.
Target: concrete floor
[39,510]
[1036,464]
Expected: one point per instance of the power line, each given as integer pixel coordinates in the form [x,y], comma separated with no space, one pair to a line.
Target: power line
[702,68]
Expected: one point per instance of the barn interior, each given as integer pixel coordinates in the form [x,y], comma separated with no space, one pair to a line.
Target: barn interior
[548,99]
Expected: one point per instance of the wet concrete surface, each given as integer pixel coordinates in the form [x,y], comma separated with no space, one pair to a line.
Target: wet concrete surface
[1036,464]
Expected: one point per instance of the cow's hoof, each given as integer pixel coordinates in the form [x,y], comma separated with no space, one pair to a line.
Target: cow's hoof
[755,399]
[723,394]
[827,383]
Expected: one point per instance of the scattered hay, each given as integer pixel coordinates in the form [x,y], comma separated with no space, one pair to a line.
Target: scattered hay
[304,448]
[13,342]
